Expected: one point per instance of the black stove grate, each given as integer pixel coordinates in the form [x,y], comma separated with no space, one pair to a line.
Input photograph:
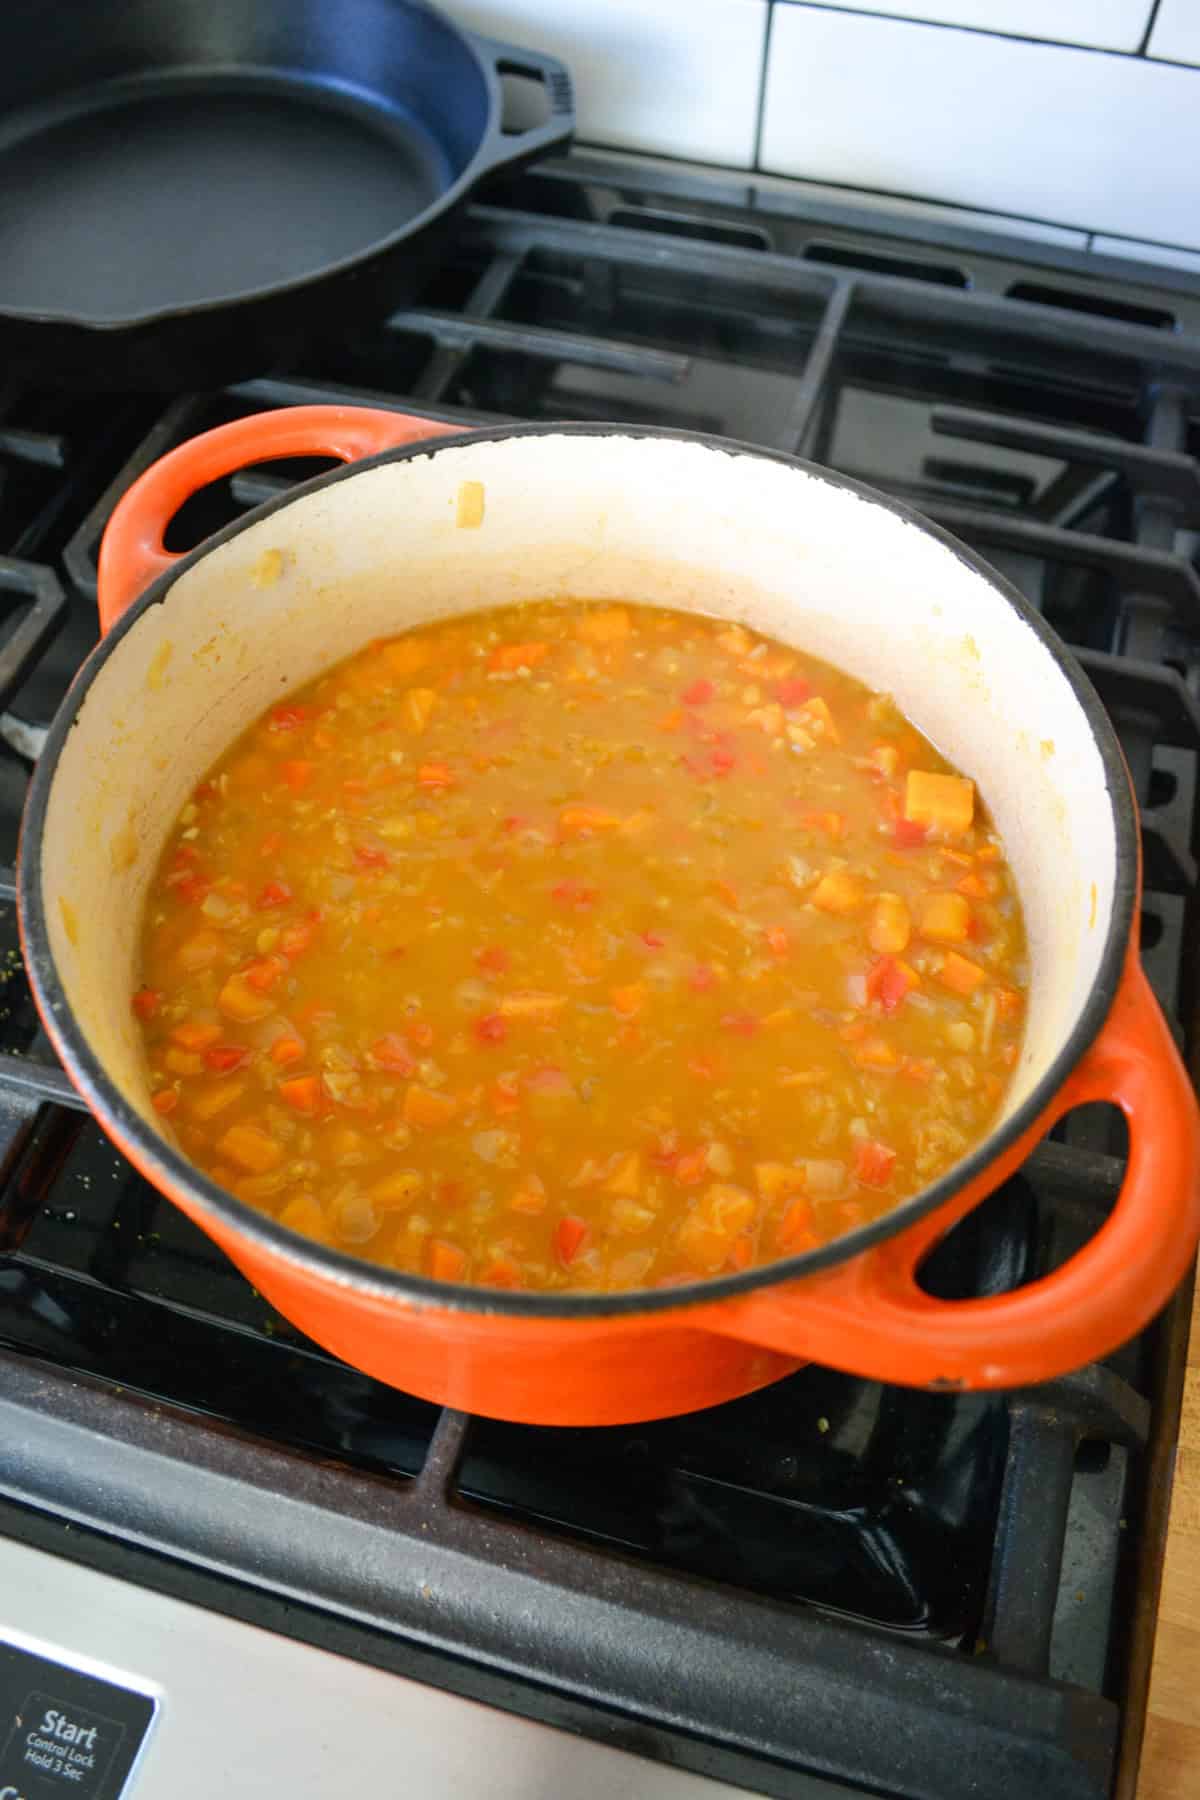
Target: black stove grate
[743,1590]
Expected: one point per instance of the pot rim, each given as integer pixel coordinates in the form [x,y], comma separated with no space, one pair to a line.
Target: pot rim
[171,1171]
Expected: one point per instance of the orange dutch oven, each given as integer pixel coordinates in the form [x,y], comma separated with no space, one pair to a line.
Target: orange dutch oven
[196,647]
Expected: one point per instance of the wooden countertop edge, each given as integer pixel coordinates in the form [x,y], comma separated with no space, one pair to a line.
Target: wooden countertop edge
[1170,1759]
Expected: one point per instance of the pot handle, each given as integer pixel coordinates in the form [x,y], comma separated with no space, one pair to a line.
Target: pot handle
[871,1318]
[506,149]
[132,552]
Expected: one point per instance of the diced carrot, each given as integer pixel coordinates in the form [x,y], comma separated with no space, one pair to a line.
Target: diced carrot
[890,925]
[698,694]
[165,1101]
[890,981]
[288,718]
[297,774]
[671,721]
[275,893]
[833,824]
[609,625]
[493,961]
[795,1230]
[628,1000]
[959,974]
[974,887]
[302,1093]
[876,1053]
[940,802]
[653,940]
[917,1068]
[287,1050]
[502,1273]
[192,1034]
[944,918]
[491,1029]
[404,656]
[426,1109]
[873,1163]
[263,973]
[530,1004]
[421,1033]
[397,1190]
[570,1236]
[223,1059]
[707,1234]
[251,1149]
[1009,1003]
[586,821]
[416,708]
[446,1261]
[741,1253]
[214,1097]
[838,891]
[433,776]
[626,1179]
[507,657]
[303,1214]
[146,1002]
[239,1002]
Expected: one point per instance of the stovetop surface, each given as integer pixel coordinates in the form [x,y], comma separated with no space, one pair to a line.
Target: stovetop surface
[1051,419]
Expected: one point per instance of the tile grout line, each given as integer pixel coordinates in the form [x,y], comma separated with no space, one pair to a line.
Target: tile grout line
[988,31]
[760,117]
[1144,47]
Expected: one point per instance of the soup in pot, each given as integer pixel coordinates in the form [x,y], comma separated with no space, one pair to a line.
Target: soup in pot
[581,946]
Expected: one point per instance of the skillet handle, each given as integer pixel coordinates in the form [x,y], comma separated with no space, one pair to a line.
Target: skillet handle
[508,149]
[871,1318]
[132,552]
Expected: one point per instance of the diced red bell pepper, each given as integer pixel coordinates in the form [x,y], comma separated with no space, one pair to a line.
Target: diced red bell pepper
[873,1163]
[889,983]
[275,893]
[569,1239]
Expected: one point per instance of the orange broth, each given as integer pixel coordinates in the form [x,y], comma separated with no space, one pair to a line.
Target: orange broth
[580,946]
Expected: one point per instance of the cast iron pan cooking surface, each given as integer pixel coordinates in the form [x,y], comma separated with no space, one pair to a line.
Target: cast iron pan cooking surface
[192,188]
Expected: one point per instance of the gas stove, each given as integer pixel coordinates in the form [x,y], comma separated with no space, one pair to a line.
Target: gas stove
[244,1561]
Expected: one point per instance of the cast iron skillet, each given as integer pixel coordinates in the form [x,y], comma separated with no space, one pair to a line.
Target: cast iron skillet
[193,188]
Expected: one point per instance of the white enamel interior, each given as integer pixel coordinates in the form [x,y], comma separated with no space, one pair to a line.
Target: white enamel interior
[676,523]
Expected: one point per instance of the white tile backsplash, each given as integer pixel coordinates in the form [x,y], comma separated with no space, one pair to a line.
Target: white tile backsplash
[673,77]
[1176,33]
[1103,24]
[1073,137]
